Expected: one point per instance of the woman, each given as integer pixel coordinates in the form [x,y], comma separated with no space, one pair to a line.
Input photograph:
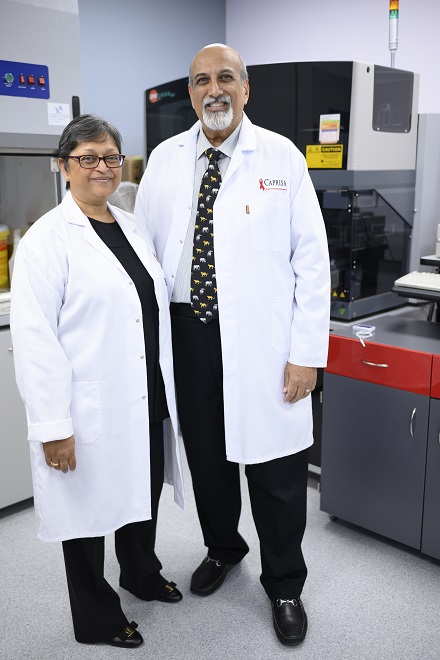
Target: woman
[92,351]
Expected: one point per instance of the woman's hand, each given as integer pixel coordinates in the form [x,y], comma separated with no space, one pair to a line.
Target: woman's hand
[60,454]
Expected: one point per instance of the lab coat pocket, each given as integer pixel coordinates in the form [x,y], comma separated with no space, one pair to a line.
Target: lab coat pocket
[282,312]
[270,223]
[85,411]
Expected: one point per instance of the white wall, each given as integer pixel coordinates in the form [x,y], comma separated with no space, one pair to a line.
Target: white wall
[155,43]
[159,38]
[295,30]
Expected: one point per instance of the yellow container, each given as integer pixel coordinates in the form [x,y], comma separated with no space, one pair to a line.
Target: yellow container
[4,270]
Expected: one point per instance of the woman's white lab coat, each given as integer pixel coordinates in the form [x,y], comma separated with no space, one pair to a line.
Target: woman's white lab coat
[79,355]
[272,275]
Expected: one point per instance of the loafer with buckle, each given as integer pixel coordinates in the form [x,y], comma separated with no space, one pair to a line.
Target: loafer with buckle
[289,620]
[209,576]
[128,638]
[169,593]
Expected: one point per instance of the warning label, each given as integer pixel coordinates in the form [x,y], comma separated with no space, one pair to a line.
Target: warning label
[319,156]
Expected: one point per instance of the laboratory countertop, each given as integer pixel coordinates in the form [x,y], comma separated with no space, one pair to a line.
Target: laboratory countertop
[412,334]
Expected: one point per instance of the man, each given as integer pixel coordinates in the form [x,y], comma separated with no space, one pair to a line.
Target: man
[249,328]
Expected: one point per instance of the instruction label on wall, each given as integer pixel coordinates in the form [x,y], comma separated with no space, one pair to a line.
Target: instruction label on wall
[321,156]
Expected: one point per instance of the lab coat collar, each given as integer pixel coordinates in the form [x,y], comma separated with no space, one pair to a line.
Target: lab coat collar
[74,215]
[187,142]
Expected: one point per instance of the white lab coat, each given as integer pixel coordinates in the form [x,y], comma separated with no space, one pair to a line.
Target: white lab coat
[79,355]
[273,278]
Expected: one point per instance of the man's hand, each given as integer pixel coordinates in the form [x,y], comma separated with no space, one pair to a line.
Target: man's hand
[60,454]
[298,382]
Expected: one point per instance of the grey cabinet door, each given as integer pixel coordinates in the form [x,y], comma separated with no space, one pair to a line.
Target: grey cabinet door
[373,457]
[15,468]
[431,513]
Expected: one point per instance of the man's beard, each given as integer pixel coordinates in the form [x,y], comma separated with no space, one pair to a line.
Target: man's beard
[218,121]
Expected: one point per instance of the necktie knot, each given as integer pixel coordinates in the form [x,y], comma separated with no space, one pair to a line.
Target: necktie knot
[213,154]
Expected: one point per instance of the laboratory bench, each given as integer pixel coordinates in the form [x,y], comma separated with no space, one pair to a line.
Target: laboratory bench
[380,454]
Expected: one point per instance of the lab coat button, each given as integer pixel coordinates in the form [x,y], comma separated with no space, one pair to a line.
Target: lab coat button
[130,282]
[142,357]
[144,397]
[137,320]
[172,276]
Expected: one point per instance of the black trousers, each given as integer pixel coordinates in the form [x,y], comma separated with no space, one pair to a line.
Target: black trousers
[96,608]
[277,488]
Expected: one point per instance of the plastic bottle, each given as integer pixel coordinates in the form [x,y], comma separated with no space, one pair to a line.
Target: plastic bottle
[4,271]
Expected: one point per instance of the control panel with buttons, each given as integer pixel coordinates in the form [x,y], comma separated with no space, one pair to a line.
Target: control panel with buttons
[24,79]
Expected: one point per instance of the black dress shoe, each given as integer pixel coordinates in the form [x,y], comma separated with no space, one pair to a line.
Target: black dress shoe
[128,638]
[169,593]
[289,620]
[209,576]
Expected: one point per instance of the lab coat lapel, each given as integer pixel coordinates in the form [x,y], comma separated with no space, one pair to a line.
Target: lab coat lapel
[246,142]
[75,216]
[186,155]
[139,244]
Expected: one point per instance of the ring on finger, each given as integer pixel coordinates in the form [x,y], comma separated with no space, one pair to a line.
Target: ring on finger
[308,391]
[54,464]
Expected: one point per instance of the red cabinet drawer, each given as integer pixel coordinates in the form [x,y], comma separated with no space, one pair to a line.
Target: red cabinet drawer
[435,379]
[392,366]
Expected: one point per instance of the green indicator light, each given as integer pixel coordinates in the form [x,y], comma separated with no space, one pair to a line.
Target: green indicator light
[9,78]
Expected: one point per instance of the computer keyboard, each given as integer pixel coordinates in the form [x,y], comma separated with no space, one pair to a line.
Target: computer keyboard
[416,280]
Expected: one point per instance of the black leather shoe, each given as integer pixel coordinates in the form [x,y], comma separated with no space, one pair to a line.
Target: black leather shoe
[128,638]
[169,593]
[289,620]
[209,576]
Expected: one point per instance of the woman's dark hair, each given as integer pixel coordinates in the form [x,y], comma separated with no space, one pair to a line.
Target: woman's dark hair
[86,128]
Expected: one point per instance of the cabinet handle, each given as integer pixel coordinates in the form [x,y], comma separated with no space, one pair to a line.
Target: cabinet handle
[375,364]
[411,428]
[10,349]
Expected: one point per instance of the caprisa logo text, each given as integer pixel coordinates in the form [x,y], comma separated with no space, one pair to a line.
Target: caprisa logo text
[273,184]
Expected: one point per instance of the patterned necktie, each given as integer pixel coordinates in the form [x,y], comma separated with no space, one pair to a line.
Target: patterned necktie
[203,283]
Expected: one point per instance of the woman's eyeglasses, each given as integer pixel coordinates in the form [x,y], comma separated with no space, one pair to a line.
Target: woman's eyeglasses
[89,162]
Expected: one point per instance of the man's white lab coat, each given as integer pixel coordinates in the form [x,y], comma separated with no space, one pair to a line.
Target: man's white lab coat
[272,276]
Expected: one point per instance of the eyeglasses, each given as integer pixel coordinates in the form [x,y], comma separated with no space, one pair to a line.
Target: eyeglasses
[90,162]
